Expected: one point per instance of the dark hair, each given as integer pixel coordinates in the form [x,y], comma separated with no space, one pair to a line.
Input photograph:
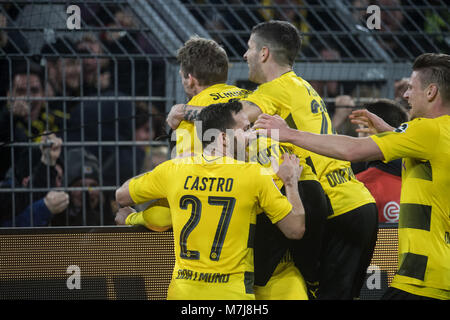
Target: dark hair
[218,116]
[389,110]
[141,117]
[27,67]
[281,37]
[205,59]
[435,68]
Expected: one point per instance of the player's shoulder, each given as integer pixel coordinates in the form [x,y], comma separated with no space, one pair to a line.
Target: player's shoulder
[291,82]
[429,124]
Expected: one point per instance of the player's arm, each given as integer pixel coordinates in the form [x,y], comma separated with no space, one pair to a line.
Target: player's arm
[145,187]
[333,146]
[123,197]
[251,109]
[292,225]
[155,217]
[180,112]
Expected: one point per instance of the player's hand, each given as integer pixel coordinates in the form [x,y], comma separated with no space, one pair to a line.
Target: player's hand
[290,170]
[369,123]
[56,201]
[19,108]
[175,116]
[275,126]
[122,214]
[50,149]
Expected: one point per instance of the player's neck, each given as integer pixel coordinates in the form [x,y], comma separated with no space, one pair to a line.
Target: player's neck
[439,110]
[197,89]
[274,71]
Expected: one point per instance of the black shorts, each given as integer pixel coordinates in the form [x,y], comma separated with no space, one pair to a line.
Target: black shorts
[397,294]
[347,250]
[270,243]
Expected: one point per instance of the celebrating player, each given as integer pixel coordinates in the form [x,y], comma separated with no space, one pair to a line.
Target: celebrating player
[424,145]
[214,200]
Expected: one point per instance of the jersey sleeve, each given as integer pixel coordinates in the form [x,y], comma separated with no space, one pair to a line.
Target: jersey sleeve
[275,205]
[414,139]
[263,101]
[151,185]
[153,218]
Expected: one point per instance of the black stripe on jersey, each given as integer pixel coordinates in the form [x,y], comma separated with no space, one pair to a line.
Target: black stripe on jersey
[249,281]
[311,164]
[413,265]
[415,216]
[324,127]
[290,121]
[251,236]
[422,170]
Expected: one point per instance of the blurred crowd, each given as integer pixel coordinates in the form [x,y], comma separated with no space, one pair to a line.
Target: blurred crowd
[72,90]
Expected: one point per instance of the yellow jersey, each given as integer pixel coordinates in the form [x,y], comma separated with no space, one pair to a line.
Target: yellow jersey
[424,225]
[260,150]
[157,217]
[186,135]
[293,99]
[213,203]
[267,152]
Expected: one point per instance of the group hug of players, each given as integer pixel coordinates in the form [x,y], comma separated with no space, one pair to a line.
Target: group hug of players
[248,195]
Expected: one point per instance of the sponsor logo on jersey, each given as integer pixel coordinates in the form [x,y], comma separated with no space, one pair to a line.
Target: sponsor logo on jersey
[391,211]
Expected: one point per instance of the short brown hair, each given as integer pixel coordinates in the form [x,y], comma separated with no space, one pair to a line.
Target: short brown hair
[281,37]
[435,68]
[204,59]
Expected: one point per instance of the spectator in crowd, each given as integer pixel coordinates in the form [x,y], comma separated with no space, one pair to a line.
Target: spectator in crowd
[156,156]
[63,69]
[148,72]
[115,118]
[11,42]
[345,104]
[46,174]
[384,179]
[400,87]
[90,207]
[131,158]
[96,77]
[24,117]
